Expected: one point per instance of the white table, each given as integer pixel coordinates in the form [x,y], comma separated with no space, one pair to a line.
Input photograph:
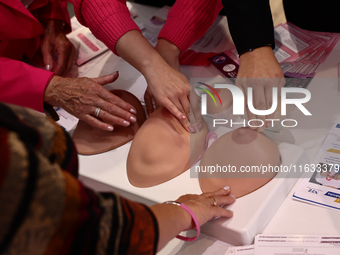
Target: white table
[293,217]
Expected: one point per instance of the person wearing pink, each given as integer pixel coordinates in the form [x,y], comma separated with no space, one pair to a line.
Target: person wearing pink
[30,26]
[110,22]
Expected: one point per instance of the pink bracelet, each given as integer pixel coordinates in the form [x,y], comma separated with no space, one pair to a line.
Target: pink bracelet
[193,216]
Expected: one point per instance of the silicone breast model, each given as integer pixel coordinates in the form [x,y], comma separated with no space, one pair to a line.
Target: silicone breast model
[238,150]
[161,150]
[90,140]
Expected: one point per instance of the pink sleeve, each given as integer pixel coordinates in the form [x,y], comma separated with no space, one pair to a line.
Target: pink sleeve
[107,19]
[188,20]
[22,84]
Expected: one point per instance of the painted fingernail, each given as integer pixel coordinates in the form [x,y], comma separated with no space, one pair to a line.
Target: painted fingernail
[183,117]
[133,119]
[48,67]
[200,126]
[133,111]
[233,196]
[226,188]
[110,128]
[126,123]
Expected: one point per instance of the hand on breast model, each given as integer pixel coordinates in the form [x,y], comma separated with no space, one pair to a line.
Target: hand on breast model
[90,140]
[245,150]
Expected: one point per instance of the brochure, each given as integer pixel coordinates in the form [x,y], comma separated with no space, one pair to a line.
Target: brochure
[321,183]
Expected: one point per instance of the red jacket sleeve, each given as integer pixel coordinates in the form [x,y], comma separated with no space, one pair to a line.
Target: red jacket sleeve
[22,84]
[188,20]
[56,9]
[107,19]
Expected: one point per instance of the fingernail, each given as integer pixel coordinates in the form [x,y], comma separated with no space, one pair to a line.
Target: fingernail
[233,196]
[192,130]
[133,119]
[126,123]
[226,188]
[197,129]
[110,128]
[183,117]
[200,125]
[48,67]
[133,111]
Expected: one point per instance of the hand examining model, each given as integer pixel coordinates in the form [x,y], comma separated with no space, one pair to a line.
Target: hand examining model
[168,86]
[170,53]
[255,65]
[86,97]
[173,219]
[54,41]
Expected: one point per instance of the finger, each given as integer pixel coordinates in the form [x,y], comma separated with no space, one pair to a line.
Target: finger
[71,59]
[269,101]
[259,101]
[62,61]
[177,113]
[148,102]
[97,123]
[111,101]
[47,55]
[113,114]
[112,119]
[103,80]
[185,103]
[221,200]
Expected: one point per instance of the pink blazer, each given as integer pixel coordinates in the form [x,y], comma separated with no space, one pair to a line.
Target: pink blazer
[20,31]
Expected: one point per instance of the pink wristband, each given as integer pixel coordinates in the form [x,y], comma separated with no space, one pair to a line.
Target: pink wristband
[193,216]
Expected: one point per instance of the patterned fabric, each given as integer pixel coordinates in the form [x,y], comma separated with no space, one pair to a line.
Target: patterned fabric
[44,209]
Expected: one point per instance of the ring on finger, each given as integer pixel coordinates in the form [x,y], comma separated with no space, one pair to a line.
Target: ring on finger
[214,200]
[96,112]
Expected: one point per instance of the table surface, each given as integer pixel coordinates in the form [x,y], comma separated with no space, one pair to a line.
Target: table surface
[293,217]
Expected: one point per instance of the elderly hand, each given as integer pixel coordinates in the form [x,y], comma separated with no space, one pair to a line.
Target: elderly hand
[82,96]
[53,42]
[260,70]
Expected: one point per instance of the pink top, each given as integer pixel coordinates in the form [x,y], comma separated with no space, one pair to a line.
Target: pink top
[187,21]
[108,20]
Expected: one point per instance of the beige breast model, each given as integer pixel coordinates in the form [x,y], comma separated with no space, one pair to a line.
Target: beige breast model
[90,140]
[161,150]
[240,150]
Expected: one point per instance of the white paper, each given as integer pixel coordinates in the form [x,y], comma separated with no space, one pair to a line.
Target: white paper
[297,245]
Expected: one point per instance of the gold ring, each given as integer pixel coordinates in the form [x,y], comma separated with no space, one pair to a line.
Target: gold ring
[214,200]
[96,112]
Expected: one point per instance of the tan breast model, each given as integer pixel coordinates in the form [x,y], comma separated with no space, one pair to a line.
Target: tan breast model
[240,150]
[161,150]
[90,140]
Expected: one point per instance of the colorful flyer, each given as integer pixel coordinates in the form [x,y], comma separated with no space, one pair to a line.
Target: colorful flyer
[321,185]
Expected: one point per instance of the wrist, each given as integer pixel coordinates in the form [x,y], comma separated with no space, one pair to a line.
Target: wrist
[49,93]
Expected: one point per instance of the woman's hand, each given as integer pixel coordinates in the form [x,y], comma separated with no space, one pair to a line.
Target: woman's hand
[53,42]
[82,96]
[260,70]
[168,86]
[173,219]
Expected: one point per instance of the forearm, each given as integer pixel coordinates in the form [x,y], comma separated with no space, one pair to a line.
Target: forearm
[250,23]
[171,220]
[188,21]
[169,52]
[108,20]
[136,50]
